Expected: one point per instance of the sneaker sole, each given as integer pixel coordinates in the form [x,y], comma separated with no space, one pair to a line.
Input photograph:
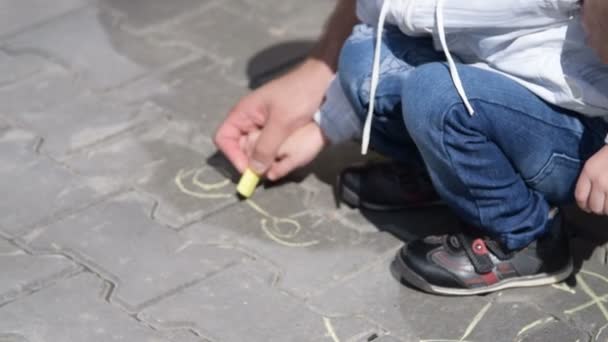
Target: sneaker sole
[352,200]
[408,276]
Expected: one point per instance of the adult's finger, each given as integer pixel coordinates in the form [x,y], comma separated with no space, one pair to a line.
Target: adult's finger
[227,140]
[250,141]
[228,137]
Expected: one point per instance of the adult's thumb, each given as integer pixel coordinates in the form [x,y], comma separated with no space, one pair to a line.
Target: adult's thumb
[265,152]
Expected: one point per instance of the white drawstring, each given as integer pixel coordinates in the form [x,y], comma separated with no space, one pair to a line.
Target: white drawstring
[367,128]
[448,56]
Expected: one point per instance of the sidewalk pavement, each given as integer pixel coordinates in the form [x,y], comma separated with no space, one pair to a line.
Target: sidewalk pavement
[119,220]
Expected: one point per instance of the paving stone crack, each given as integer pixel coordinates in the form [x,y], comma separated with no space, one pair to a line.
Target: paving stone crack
[380,260]
[41,285]
[206,215]
[7,35]
[49,57]
[67,213]
[172,292]
[38,145]
[167,25]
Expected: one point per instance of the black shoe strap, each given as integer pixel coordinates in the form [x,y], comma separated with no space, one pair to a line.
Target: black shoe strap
[497,250]
[478,253]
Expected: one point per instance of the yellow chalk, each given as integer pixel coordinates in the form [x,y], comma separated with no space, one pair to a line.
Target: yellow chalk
[249,181]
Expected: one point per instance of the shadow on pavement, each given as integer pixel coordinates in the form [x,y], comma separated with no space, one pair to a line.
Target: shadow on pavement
[276,60]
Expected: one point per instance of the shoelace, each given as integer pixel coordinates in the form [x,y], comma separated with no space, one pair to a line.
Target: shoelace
[367,128]
[453,70]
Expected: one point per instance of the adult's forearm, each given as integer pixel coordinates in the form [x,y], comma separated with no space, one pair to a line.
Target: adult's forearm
[594,20]
[337,28]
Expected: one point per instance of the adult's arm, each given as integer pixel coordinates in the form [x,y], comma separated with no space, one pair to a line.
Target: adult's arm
[595,20]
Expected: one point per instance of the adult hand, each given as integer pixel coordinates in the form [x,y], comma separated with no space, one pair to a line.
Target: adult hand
[277,109]
[592,187]
[289,102]
[595,15]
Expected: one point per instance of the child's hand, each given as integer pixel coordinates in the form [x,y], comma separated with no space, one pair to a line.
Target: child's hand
[592,187]
[297,151]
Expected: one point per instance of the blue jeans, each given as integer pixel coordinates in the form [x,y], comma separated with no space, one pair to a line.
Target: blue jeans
[500,170]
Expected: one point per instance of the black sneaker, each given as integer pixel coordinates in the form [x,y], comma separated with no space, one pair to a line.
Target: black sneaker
[461,265]
[386,186]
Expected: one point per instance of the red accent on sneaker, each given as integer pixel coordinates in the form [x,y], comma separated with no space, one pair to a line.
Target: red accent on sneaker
[475,281]
[479,247]
[490,278]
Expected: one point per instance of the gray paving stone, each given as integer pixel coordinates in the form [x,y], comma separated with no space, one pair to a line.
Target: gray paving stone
[143,258]
[22,272]
[177,210]
[151,52]
[39,188]
[107,57]
[512,319]
[407,314]
[132,158]
[16,15]
[230,37]
[59,108]
[590,281]
[385,338]
[241,303]
[296,25]
[183,336]
[199,93]
[142,14]
[554,331]
[139,91]
[291,18]
[311,248]
[12,338]
[572,305]
[13,68]
[157,161]
[89,119]
[17,146]
[602,334]
[72,311]
[50,87]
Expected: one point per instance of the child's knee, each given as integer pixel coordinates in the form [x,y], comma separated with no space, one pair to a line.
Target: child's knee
[427,93]
[356,57]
